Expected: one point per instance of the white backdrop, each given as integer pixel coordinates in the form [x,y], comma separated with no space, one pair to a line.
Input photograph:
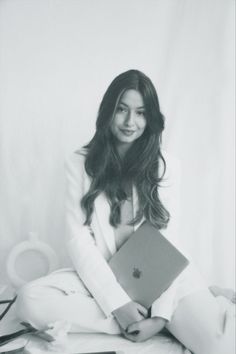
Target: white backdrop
[56,60]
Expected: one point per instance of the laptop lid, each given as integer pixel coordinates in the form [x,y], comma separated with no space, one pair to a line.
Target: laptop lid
[147,264]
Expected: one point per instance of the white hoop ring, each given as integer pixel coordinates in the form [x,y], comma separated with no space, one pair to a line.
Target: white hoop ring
[31,245]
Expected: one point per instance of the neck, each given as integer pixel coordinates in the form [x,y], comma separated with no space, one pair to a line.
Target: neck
[122,149]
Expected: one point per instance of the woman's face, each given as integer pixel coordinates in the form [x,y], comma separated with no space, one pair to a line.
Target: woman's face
[129,120]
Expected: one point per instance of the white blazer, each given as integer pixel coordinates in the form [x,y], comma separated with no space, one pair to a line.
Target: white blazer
[91,248]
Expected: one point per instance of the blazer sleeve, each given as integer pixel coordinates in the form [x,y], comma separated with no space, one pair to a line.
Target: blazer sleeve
[87,259]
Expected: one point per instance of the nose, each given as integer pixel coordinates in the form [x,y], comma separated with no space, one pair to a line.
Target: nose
[129,121]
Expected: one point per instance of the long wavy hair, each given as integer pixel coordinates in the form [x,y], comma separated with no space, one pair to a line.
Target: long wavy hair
[140,166]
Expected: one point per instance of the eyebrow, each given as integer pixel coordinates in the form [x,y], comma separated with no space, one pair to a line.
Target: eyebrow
[128,106]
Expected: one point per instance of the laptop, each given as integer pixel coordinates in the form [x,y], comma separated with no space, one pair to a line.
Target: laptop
[146,264]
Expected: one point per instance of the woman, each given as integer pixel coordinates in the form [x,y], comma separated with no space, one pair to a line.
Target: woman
[114,183]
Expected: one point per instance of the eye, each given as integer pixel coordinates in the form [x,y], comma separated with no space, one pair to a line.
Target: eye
[121,109]
[140,113]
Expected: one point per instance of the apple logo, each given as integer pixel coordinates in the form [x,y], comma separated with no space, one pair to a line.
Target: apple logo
[136,273]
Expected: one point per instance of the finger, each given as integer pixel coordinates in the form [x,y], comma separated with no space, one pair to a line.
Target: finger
[132,338]
[123,332]
[142,310]
[133,328]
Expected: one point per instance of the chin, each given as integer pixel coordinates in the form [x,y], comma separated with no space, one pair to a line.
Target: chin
[127,140]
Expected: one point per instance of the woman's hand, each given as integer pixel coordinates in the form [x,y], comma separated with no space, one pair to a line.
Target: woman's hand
[144,329]
[130,313]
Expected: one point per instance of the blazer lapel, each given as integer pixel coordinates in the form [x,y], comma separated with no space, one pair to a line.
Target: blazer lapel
[102,210]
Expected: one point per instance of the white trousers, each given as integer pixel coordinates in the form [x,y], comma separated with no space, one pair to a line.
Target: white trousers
[201,322]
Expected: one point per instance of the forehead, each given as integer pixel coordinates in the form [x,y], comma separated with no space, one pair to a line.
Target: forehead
[132,98]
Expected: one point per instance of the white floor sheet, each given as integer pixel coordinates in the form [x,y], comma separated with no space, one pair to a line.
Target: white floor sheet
[87,343]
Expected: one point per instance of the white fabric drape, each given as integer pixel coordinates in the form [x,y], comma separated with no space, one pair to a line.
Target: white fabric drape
[56,60]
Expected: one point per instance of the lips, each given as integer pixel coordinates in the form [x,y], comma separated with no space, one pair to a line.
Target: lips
[127,132]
